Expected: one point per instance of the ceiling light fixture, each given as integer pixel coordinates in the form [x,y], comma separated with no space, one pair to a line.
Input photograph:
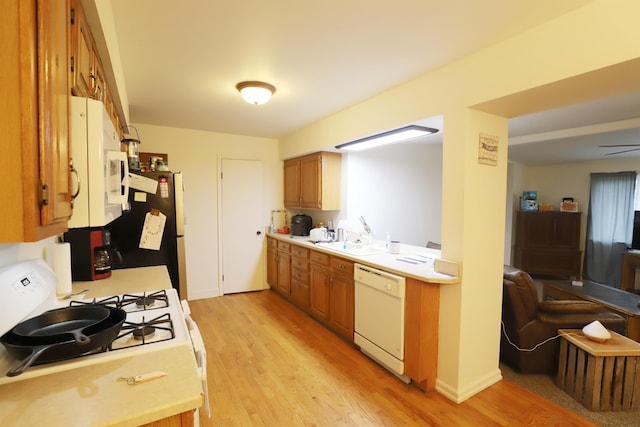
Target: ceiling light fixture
[388,137]
[255,92]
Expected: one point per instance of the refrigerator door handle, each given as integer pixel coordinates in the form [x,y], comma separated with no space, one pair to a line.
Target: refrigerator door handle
[178,190]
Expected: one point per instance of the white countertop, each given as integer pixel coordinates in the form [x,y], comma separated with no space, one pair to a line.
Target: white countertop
[127,281]
[91,395]
[441,271]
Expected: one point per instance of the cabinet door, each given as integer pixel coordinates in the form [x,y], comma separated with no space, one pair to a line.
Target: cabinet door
[319,293]
[284,273]
[272,267]
[81,52]
[300,276]
[300,291]
[53,106]
[565,231]
[292,183]
[341,305]
[534,229]
[99,81]
[310,182]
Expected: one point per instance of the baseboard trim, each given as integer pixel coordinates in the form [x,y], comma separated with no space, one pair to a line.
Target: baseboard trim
[460,394]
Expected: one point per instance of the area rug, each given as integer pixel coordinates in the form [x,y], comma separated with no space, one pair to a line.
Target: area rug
[545,386]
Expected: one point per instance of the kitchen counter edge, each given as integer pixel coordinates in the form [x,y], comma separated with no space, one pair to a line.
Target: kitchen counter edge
[384,261]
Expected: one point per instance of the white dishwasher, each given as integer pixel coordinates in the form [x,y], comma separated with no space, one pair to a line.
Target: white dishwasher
[379,317]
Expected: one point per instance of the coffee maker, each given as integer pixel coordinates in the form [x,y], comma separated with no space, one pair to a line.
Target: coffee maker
[90,253]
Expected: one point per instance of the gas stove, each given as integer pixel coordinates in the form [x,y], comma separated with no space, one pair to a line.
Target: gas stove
[153,319]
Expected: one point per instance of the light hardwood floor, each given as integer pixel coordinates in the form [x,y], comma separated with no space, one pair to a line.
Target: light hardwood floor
[269,364]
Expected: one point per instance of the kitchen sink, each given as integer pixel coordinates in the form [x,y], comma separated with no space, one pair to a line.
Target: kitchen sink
[357,249]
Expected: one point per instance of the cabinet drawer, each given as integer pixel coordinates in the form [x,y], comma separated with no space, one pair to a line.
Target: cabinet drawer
[342,265]
[301,263]
[272,243]
[300,252]
[283,246]
[319,258]
[301,275]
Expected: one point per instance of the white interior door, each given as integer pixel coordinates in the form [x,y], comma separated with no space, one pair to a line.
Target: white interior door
[242,228]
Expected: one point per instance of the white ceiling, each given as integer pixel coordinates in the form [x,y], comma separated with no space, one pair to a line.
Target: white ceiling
[182,60]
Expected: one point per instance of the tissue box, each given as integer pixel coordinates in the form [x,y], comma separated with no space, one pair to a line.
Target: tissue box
[569,207]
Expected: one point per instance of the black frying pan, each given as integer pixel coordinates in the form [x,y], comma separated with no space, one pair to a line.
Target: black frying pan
[44,349]
[62,322]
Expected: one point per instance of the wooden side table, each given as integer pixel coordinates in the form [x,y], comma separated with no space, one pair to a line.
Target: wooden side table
[601,376]
[630,262]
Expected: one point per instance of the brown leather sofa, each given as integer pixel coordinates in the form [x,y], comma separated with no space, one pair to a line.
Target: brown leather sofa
[528,322]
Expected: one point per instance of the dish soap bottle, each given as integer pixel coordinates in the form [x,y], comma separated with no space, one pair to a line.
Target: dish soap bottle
[387,241]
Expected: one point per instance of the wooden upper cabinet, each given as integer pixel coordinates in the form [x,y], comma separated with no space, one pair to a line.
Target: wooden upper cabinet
[292,183]
[53,107]
[81,55]
[99,81]
[87,76]
[34,166]
[313,181]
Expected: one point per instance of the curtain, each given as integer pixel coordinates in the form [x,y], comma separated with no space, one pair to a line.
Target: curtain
[609,225]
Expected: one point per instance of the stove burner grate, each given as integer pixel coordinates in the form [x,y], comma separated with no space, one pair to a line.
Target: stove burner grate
[112,302]
[146,332]
[158,299]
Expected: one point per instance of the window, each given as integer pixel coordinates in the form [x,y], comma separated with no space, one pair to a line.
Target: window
[609,225]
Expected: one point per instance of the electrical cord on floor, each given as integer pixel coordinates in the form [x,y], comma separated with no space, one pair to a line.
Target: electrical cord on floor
[504,331]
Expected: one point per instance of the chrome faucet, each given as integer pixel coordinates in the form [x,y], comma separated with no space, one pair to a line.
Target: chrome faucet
[367,230]
[366,226]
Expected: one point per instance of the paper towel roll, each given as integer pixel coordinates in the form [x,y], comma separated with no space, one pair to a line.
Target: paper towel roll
[59,259]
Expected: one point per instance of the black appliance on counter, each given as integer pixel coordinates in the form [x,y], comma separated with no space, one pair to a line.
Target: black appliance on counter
[300,225]
[91,253]
[127,231]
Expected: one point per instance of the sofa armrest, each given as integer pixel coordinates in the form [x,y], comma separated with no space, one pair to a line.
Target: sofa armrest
[570,306]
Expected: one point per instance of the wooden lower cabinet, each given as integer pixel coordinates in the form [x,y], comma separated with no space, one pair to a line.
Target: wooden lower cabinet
[279,266]
[323,286]
[422,310]
[272,263]
[319,287]
[341,305]
[300,276]
[331,293]
[185,419]
[284,273]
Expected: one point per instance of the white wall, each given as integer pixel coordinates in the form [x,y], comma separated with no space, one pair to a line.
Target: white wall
[13,252]
[197,154]
[397,189]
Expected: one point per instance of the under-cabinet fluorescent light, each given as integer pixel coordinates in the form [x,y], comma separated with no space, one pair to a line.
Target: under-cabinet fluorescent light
[389,137]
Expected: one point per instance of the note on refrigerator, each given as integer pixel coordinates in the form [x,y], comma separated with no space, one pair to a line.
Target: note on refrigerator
[152,230]
[142,183]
